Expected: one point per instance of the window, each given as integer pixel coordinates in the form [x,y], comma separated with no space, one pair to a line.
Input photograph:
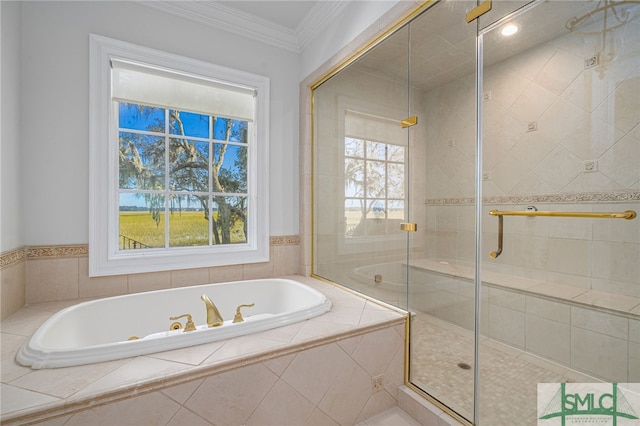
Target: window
[178,166]
[182,178]
[374,202]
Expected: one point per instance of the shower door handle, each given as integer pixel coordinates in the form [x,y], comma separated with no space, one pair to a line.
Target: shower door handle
[497,253]
[478,11]
[409,121]
[532,211]
[409,227]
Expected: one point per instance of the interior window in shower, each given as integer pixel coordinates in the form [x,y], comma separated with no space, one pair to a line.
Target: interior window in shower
[374,176]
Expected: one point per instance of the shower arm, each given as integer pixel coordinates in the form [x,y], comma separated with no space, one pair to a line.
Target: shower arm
[627,214]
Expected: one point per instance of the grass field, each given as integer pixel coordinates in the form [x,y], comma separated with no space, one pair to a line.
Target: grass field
[185,229]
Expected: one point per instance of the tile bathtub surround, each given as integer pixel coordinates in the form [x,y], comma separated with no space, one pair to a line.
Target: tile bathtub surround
[300,373]
[12,283]
[48,273]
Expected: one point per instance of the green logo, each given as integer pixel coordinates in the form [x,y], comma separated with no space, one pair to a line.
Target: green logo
[588,403]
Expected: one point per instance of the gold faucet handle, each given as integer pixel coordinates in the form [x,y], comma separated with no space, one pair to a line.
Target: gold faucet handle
[189,326]
[238,317]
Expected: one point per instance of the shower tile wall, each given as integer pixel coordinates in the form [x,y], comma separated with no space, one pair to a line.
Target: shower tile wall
[547,121]
[559,137]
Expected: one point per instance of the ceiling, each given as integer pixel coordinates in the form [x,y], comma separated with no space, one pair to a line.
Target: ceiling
[286,24]
[443,45]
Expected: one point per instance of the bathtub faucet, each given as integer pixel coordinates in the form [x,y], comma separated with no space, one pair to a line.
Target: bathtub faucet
[214,319]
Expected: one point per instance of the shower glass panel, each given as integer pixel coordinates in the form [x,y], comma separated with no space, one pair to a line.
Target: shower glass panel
[494,310]
[560,115]
[361,173]
[441,259]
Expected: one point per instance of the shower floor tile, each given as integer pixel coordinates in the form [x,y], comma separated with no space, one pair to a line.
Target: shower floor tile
[441,355]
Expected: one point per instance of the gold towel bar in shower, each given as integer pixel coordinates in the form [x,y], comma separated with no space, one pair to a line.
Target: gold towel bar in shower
[627,214]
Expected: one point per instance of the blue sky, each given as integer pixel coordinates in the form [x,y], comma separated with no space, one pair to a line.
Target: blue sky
[196,125]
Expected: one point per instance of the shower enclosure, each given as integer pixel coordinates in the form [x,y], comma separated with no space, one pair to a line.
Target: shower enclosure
[485,177]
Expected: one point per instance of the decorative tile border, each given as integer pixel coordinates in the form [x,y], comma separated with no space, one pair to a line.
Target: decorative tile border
[76,250]
[12,257]
[285,240]
[81,250]
[577,197]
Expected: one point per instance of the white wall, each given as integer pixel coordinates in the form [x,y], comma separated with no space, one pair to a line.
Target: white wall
[44,160]
[55,98]
[356,17]
[11,234]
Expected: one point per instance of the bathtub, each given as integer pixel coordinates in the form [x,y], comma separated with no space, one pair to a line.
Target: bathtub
[99,330]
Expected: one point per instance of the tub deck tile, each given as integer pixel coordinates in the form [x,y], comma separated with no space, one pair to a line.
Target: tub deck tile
[194,355]
[240,347]
[132,371]
[16,398]
[9,369]
[65,382]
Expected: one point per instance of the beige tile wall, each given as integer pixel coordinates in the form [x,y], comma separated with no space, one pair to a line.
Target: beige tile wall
[42,274]
[330,384]
[597,340]
[12,282]
[580,115]
[597,254]
[311,364]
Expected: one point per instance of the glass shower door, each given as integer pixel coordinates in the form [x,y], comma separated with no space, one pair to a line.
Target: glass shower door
[361,173]
[560,119]
[540,299]
[440,265]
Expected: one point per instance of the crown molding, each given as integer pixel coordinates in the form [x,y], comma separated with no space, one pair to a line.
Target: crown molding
[228,19]
[317,20]
[215,15]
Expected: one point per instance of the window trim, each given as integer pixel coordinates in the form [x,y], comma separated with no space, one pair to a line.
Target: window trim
[104,256]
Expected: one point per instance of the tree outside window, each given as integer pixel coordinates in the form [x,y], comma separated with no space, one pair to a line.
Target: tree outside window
[182,178]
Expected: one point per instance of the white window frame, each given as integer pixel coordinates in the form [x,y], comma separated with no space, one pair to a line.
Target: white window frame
[105,258]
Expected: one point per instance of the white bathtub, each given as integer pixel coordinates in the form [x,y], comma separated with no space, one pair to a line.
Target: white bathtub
[99,330]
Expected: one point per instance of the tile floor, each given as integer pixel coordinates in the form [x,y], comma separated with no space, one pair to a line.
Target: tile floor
[508,376]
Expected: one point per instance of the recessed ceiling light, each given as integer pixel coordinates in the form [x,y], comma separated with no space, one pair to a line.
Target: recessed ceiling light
[509,29]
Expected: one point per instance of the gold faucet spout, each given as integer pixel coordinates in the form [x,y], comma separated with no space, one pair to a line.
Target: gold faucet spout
[214,319]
